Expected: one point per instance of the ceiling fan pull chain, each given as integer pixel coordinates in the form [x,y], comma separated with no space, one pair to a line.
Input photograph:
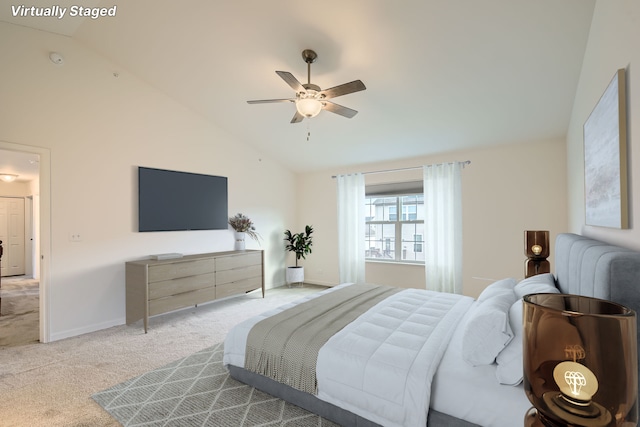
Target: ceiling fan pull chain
[308,132]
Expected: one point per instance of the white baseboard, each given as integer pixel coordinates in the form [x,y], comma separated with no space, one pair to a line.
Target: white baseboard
[86,329]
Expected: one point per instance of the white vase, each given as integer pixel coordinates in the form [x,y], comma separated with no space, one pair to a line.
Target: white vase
[295,275]
[240,240]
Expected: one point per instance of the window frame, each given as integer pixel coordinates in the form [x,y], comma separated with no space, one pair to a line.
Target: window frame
[398,225]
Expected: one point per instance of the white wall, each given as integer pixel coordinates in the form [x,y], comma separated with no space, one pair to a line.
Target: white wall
[613,44]
[99,128]
[506,190]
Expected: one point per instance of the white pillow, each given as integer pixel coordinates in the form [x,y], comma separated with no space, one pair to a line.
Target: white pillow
[487,330]
[498,287]
[540,283]
[510,367]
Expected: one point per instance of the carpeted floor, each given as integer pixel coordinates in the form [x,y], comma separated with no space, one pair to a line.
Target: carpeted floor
[52,384]
[197,391]
[19,311]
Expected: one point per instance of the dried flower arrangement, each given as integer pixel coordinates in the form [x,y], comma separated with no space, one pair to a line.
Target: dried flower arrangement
[242,223]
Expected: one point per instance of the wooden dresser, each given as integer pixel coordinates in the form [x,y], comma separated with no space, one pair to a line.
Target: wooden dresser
[160,286]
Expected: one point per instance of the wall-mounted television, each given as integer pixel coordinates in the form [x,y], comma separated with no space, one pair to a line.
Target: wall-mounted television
[172,201]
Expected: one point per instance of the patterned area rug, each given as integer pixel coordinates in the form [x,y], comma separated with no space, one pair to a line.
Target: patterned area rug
[198,391]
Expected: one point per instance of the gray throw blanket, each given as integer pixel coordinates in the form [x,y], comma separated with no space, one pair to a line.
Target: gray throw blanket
[285,346]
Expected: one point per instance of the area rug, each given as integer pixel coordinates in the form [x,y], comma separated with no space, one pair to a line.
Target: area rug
[198,391]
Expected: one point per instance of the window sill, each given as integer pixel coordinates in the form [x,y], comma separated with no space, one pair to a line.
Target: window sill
[394,262]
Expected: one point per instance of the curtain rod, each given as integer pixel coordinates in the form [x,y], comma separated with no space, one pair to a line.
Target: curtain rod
[466,162]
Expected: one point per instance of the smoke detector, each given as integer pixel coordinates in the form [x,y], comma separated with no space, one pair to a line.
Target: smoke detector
[56,58]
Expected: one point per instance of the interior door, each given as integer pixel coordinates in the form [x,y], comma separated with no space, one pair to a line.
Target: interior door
[12,236]
[4,232]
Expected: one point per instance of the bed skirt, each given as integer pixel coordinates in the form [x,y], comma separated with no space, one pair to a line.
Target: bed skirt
[326,410]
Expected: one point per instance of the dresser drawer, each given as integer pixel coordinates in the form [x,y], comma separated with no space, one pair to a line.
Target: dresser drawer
[167,288]
[229,276]
[238,261]
[174,270]
[240,287]
[175,302]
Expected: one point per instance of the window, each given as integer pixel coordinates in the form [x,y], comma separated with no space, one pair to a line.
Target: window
[394,227]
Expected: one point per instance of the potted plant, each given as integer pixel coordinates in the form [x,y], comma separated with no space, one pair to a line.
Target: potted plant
[242,225]
[300,244]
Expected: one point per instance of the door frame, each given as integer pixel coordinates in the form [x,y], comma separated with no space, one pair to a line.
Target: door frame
[42,229]
[28,237]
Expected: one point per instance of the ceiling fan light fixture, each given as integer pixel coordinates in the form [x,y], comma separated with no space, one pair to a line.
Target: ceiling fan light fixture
[308,107]
[309,98]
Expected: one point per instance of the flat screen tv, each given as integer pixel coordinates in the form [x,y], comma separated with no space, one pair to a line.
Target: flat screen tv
[173,201]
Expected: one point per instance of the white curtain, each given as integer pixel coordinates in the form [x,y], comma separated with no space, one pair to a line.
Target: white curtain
[351,223]
[443,227]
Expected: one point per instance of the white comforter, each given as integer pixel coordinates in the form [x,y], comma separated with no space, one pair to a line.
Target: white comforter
[381,365]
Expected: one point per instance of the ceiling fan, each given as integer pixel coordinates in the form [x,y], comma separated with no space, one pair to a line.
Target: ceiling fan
[310,99]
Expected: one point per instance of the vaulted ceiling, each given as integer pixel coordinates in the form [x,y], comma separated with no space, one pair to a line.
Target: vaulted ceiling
[441,75]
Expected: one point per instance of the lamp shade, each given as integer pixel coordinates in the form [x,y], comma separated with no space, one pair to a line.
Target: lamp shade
[536,244]
[536,248]
[308,107]
[580,361]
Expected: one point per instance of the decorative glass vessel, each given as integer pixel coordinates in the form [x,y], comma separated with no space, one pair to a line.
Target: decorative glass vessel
[580,361]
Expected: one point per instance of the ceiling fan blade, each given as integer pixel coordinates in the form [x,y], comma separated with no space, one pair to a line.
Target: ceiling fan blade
[291,81]
[265,101]
[297,117]
[339,109]
[343,89]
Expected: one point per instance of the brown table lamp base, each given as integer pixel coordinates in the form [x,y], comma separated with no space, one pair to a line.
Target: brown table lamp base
[531,419]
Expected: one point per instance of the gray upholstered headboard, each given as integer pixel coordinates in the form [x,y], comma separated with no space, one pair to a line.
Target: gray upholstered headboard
[593,268]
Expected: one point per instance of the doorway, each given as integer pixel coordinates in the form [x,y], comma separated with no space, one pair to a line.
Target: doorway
[37,222]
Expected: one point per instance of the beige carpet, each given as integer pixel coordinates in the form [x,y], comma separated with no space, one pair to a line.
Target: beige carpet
[52,384]
[19,311]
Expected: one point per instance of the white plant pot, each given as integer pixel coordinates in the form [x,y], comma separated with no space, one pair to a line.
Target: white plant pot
[295,275]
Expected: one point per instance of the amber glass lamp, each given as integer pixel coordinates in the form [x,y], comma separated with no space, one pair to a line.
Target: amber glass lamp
[580,361]
[536,248]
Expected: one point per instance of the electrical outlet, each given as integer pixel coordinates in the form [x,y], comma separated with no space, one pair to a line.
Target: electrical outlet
[75,237]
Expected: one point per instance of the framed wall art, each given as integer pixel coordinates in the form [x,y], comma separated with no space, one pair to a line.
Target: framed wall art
[605,158]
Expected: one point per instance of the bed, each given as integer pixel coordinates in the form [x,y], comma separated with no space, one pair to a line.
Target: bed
[397,363]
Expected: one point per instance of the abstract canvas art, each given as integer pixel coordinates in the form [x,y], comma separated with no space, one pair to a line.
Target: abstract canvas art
[605,158]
